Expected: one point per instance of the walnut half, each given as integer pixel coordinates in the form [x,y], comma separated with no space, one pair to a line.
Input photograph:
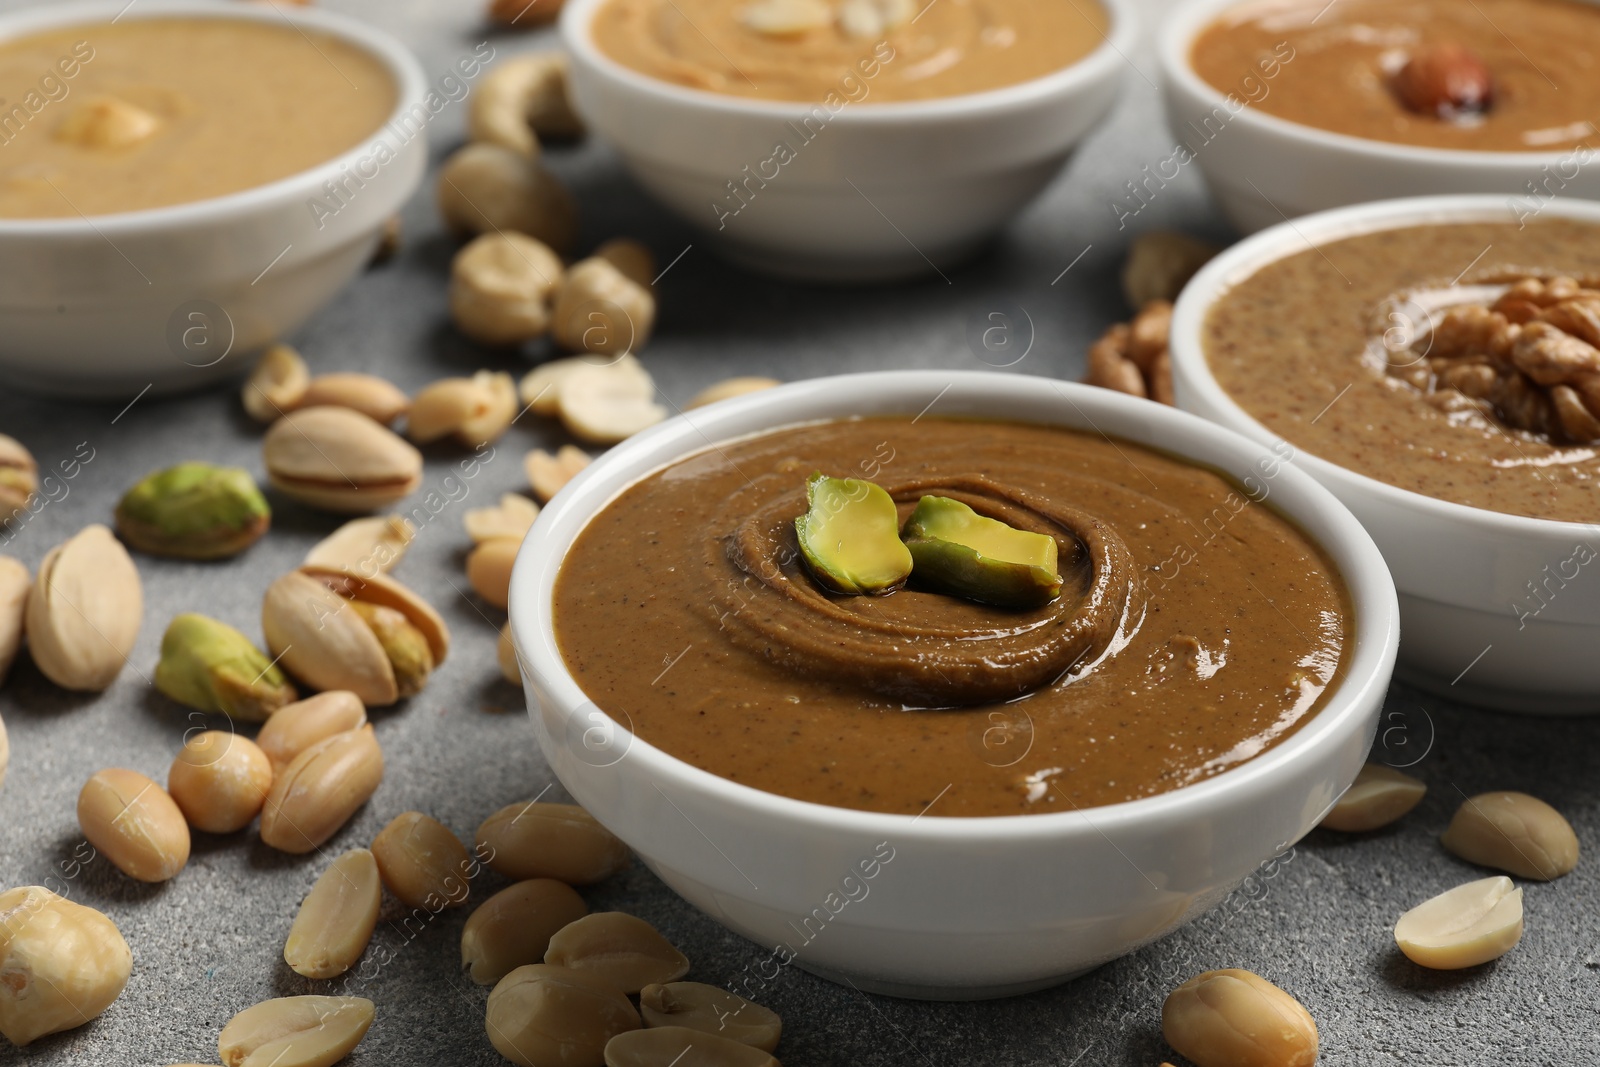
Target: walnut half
[1132,357]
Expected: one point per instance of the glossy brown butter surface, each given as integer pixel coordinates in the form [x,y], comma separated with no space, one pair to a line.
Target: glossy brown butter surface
[1200,627]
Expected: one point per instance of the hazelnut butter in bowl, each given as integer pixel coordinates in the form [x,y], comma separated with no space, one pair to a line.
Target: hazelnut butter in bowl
[182,183]
[1436,363]
[793,131]
[956,702]
[1293,106]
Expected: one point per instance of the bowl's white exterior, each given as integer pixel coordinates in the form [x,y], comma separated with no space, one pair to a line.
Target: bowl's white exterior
[965,908]
[874,190]
[1462,572]
[107,305]
[1262,169]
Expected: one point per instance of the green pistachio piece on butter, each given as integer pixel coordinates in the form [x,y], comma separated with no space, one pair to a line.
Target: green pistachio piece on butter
[209,665]
[960,552]
[850,538]
[408,650]
[194,511]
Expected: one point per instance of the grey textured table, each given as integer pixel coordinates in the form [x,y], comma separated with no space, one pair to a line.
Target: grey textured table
[209,943]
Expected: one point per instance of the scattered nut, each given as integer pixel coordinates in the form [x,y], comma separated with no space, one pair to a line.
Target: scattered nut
[548,474]
[600,309]
[1445,81]
[710,1009]
[524,14]
[209,665]
[219,781]
[317,793]
[544,840]
[382,649]
[84,611]
[540,389]
[19,478]
[602,405]
[1377,797]
[297,727]
[376,398]
[1462,927]
[338,460]
[107,122]
[618,948]
[295,1032]
[194,511]
[524,97]
[1513,832]
[134,823]
[512,517]
[500,286]
[14,586]
[513,928]
[786,18]
[636,262]
[489,569]
[422,863]
[369,546]
[474,410]
[1232,1018]
[1133,358]
[488,187]
[277,385]
[335,921]
[729,388]
[540,1016]
[63,964]
[1160,263]
[506,654]
[663,1046]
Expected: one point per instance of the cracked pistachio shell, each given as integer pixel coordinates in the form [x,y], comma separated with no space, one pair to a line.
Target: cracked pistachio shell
[194,511]
[277,384]
[19,477]
[61,964]
[14,586]
[209,665]
[84,611]
[850,537]
[339,460]
[544,1016]
[295,1032]
[312,629]
[664,1046]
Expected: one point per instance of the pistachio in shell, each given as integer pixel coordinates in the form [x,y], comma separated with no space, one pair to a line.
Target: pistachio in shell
[850,537]
[339,460]
[325,626]
[84,611]
[960,552]
[14,586]
[19,477]
[209,665]
[194,511]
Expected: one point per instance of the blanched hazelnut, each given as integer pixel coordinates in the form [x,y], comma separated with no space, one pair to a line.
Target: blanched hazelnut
[500,286]
[488,187]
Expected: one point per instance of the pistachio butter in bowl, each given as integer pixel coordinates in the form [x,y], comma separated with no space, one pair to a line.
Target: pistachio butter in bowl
[182,182]
[1434,362]
[843,140]
[951,701]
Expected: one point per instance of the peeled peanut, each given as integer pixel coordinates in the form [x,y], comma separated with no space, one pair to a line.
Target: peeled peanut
[600,309]
[711,1009]
[605,405]
[540,388]
[548,474]
[219,781]
[512,517]
[543,1016]
[317,793]
[1377,797]
[277,385]
[1233,1018]
[295,1032]
[513,928]
[489,569]
[679,1046]
[422,863]
[618,948]
[632,258]
[1513,832]
[487,188]
[295,727]
[336,920]
[1463,927]
[544,840]
[61,964]
[376,398]
[500,286]
[474,410]
[134,824]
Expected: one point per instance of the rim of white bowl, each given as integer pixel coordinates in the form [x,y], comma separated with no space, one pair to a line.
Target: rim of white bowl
[1114,47]
[1374,605]
[1174,47]
[1239,262]
[410,87]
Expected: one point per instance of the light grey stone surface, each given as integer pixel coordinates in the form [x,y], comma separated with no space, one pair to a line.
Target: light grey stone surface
[209,943]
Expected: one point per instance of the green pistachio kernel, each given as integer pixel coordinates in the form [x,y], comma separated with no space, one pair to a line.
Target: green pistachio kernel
[194,511]
[209,665]
[849,536]
[404,644]
[960,552]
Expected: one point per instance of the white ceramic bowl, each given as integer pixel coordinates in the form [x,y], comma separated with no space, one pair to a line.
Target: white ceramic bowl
[175,297]
[1461,571]
[1262,169]
[881,191]
[965,908]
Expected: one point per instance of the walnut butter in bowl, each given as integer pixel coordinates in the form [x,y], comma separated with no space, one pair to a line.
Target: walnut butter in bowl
[951,701]
[183,182]
[846,139]
[1293,106]
[1436,363]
